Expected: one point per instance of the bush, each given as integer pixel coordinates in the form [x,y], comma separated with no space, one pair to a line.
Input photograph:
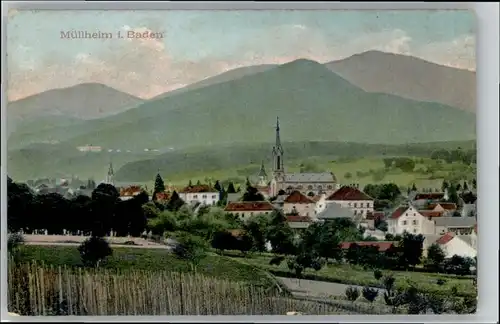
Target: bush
[377,274]
[352,293]
[440,282]
[370,294]
[14,240]
[191,248]
[93,250]
[276,260]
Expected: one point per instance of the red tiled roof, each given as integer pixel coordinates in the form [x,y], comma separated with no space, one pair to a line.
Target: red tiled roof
[130,191]
[445,205]
[349,193]
[296,197]
[398,212]
[382,246]
[242,206]
[445,238]
[298,219]
[162,196]
[430,213]
[374,215]
[429,196]
[198,189]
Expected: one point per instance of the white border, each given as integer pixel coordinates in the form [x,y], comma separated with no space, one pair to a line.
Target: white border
[488,71]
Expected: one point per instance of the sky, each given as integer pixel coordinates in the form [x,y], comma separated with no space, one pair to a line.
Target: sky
[200,44]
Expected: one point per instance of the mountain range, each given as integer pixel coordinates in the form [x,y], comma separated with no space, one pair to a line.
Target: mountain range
[315,102]
[67,105]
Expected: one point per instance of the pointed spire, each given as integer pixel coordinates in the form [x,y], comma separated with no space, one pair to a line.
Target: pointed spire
[278,139]
[110,170]
[262,171]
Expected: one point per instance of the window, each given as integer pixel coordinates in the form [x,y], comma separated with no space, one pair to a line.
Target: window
[361,205]
[368,205]
[414,214]
[320,187]
[355,205]
[329,187]
[349,204]
[355,212]
[405,222]
[195,196]
[361,212]
[214,196]
[406,214]
[309,187]
[204,196]
[415,222]
[414,230]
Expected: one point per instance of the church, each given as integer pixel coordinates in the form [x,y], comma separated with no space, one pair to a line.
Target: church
[310,184]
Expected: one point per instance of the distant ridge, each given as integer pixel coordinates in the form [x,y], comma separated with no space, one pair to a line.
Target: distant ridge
[82,101]
[409,77]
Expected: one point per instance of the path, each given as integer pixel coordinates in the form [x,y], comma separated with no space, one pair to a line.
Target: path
[311,288]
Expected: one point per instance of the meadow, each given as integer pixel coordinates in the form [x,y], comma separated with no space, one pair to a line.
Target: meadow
[125,259]
[355,275]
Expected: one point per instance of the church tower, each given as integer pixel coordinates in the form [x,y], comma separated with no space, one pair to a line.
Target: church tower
[278,169]
[110,175]
[262,176]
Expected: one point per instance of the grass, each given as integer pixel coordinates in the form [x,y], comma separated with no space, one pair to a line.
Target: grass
[149,259]
[41,290]
[340,167]
[352,275]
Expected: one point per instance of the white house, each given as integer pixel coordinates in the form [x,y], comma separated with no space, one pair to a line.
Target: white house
[247,209]
[410,219]
[202,194]
[461,245]
[455,225]
[359,203]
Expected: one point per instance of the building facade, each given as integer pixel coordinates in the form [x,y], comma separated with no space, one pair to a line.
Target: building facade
[308,183]
[202,194]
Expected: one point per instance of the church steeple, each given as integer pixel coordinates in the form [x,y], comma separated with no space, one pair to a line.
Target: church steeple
[278,168]
[110,175]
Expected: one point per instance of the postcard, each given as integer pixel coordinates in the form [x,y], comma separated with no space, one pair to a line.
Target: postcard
[241,162]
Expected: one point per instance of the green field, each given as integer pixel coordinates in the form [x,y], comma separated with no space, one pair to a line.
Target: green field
[148,259]
[363,171]
[352,275]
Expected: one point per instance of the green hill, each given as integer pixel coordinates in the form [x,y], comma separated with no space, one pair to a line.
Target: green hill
[314,104]
[39,161]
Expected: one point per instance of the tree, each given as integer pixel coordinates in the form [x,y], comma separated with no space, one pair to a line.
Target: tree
[159,184]
[175,202]
[377,274]
[94,250]
[217,186]
[352,293]
[413,187]
[388,163]
[223,240]
[474,183]
[150,210]
[411,247]
[445,185]
[190,183]
[244,243]
[165,222]
[435,256]
[191,248]
[465,187]
[230,188]
[280,235]
[198,183]
[256,227]
[453,194]
[252,194]
[370,294]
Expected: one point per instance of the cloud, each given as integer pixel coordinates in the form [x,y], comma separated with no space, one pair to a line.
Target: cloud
[145,68]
